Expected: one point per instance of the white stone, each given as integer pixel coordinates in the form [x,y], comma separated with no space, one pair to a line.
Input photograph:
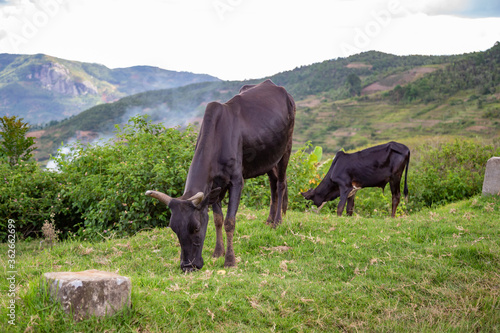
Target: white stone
[91,292]
[491,183]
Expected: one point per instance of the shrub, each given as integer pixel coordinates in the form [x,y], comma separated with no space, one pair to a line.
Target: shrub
[449,172]
[29,195]
[106,182]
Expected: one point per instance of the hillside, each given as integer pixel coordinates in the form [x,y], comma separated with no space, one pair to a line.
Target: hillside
[459,99]
[329,112]
[329,77]
[42,88]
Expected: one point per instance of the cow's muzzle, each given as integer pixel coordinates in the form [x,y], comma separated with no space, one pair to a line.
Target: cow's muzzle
[188,266]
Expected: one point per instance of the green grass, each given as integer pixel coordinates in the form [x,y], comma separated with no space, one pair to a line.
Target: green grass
[432,271]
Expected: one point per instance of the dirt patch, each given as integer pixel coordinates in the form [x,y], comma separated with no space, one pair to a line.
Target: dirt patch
[279,249]
[392,81]
[343,132]
[477,128]
[86,136]
[358,65]
[35,134]
[373,88]
[309,103]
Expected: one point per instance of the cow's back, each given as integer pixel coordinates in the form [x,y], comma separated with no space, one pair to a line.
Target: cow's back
[264,116]
[372,167]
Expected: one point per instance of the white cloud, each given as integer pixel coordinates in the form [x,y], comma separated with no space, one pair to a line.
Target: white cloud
[462,8]
[238,39]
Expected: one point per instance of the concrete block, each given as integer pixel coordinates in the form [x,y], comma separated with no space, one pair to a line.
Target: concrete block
[491,183]
[90,292]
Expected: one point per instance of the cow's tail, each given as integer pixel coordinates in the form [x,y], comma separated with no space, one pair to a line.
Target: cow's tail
[406,177]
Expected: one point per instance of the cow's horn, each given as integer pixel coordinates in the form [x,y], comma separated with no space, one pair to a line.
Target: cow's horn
[160,196]
[197,198]
[319,208]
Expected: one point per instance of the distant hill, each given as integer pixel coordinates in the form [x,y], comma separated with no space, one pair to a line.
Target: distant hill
[330,76]
[330,112]
[41,88]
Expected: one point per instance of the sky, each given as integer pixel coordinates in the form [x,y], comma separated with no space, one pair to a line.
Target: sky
[243,39]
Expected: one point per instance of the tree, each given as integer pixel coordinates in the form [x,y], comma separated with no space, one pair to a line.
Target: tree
[15,145]
[353,84]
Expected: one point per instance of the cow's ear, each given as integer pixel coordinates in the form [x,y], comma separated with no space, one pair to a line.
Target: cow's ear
[212,197]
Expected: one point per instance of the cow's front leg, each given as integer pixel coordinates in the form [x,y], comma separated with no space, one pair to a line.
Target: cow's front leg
[230,222]
[350,205]
[344,194]
[219,222]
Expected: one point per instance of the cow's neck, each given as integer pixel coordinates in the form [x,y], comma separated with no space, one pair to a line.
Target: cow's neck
[199,178]
[205,170]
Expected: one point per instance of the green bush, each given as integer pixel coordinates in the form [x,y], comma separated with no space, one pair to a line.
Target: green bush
[29,196]
[449,172]
[106,182]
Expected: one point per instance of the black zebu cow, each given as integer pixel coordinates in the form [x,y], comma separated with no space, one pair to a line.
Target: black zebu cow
[371,167]
[246,137]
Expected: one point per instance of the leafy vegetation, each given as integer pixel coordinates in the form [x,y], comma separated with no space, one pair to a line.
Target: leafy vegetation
[105,183]
[15,145]
[450,172]
[432,271]
[29,195]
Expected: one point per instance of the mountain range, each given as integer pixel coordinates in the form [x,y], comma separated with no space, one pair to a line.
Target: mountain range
[41,88]
[341,103]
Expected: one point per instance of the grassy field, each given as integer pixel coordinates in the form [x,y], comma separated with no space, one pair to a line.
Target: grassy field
[433,271]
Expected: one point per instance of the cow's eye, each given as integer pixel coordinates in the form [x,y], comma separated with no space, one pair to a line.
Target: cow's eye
[194,228]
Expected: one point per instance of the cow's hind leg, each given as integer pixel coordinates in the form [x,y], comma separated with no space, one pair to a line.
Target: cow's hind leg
[273,182]
[219,222]
[396,194]
[281,189]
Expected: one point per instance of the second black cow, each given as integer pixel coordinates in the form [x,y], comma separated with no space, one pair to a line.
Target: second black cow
[371,167]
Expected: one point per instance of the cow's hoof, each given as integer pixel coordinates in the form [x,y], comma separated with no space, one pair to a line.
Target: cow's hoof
[230,261]
[273,224]
[218,253]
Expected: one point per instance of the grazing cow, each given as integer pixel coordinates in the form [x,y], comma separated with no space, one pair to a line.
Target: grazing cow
[371,167]
[248,136]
